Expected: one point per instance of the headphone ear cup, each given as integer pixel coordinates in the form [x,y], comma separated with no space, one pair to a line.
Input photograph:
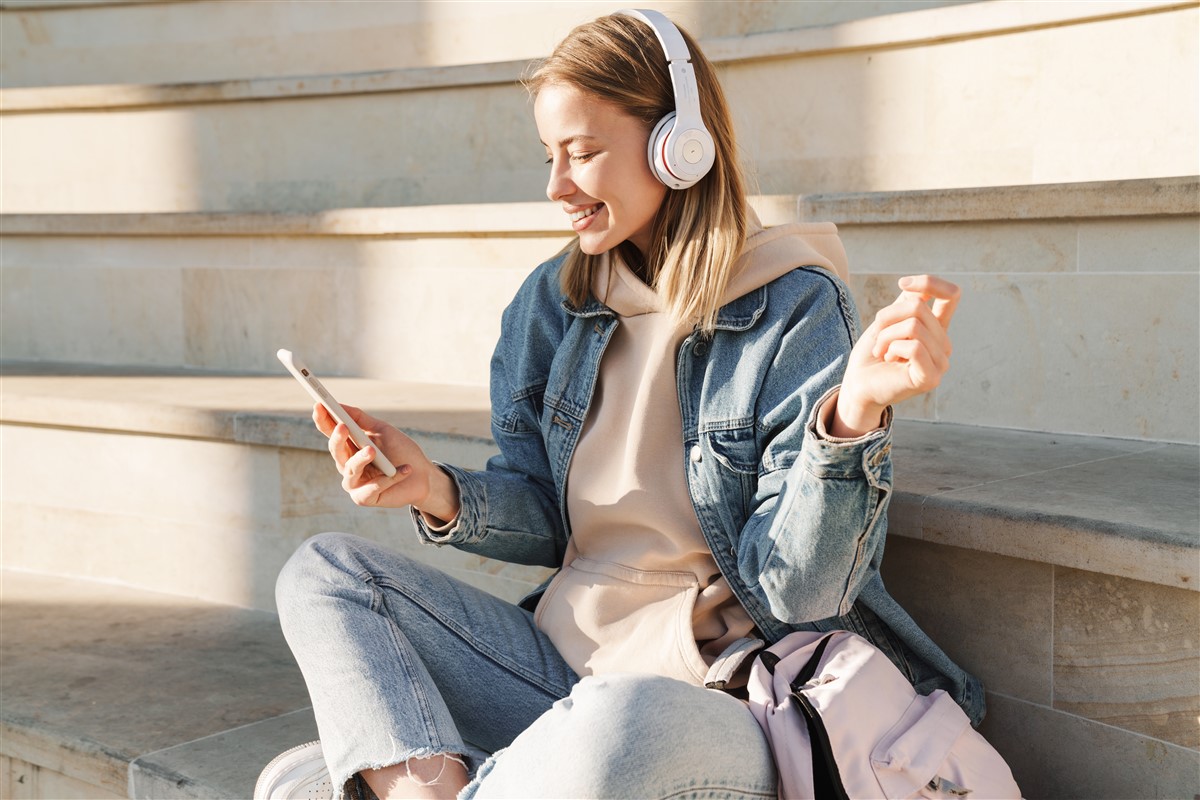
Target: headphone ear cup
[656,151]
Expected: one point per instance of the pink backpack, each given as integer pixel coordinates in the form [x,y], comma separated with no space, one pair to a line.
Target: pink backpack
[843,722]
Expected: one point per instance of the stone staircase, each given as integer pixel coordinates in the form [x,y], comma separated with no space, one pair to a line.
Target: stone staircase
[158,465]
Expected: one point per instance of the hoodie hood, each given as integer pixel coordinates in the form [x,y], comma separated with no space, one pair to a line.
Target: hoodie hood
[772,252]
[768,254]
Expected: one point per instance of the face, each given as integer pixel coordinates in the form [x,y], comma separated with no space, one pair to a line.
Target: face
[598,168]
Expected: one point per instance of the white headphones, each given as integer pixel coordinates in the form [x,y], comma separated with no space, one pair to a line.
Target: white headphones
[681,150]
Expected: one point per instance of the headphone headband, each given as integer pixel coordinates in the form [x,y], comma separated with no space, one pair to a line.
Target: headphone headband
[681,149]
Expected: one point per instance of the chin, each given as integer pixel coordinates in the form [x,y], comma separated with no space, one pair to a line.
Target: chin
[594,247]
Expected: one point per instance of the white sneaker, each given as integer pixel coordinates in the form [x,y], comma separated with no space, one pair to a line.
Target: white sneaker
[296,774]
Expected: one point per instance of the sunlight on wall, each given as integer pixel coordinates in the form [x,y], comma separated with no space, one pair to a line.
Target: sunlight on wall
[88,161]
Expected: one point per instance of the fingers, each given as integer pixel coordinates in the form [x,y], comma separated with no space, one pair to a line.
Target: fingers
[925,371]
[364,482]
[944,294]
[341,446]
[323,420]
[909,318]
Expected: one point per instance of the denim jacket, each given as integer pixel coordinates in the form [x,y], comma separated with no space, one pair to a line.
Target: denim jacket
[795,518]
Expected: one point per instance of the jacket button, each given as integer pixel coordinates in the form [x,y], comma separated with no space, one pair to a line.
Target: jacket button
[695,455]
[701,348]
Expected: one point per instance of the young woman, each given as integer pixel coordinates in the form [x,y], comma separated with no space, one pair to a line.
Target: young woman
[687,430]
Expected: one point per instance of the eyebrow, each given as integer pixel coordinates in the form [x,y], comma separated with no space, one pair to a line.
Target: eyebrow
[572,139]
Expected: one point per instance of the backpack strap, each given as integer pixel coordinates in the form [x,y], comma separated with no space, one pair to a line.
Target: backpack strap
[731,658]
[826,779]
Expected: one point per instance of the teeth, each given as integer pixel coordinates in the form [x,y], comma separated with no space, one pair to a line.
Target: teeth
[587,212]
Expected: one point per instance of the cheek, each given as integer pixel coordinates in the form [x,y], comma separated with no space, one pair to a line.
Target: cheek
[653,194]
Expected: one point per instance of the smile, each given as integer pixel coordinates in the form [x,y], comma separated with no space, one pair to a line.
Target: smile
[587,212]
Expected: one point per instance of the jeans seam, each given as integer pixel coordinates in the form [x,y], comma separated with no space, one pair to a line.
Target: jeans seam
[427,716]
[725,791]
[464,636]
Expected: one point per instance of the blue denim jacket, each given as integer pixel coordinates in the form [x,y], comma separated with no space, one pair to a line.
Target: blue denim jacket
[796,520]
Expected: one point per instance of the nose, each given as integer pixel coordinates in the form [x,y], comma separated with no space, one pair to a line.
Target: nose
[560,184]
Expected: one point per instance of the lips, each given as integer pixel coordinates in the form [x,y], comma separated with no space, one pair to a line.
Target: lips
[586,212]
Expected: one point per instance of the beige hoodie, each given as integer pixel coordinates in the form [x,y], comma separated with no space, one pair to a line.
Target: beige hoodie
[639,590]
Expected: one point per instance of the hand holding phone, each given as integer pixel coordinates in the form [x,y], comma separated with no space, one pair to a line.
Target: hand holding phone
[319,393]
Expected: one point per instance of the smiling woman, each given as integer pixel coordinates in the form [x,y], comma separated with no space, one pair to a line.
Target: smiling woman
[598,169]
[687,430]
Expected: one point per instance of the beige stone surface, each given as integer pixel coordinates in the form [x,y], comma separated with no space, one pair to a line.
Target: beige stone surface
[224,765]
[96,675]
[991,614]
[345,304]
[186,42]
[1127,654]
[20,780]
[1140,245]
[1062,103]
[231,317]
[1094,200]
[984,247]
[101,315]
[1097,315]
[212,519]
[1104,353]
[1066,757]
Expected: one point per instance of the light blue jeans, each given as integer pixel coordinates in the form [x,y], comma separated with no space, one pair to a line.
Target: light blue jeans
[403,661]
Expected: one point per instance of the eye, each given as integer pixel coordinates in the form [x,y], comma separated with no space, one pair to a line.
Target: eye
[582,157]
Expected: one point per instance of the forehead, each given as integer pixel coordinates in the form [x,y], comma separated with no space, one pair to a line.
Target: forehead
[564,112]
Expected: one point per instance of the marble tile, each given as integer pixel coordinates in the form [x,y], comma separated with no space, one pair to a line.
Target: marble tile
[991,614]
[1170,244]
[225,764]
[102,663]
[976,247]
[21,780]
[121,315]
[1062,756]
[173,480]
[238,318]
[397,307]
[1148,495]
[1127,653]
[943,457]
[1102,354]
[1089,544]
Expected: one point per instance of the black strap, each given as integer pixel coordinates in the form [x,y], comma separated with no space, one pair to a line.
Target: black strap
[810,668]
[827,780]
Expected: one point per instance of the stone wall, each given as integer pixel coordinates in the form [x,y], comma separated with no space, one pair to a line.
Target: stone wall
[977,94]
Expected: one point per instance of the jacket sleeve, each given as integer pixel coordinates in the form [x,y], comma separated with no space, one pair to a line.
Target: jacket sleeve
[510,510]
[818,517]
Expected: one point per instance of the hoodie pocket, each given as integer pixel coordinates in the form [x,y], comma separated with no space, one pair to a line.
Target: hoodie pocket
[605,618]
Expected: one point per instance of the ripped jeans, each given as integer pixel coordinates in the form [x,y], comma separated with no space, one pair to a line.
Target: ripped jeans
[403,661]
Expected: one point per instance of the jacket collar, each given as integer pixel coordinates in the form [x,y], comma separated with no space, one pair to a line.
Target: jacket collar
[739,315]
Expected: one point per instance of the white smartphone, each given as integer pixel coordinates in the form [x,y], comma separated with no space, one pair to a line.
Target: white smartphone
[319,393]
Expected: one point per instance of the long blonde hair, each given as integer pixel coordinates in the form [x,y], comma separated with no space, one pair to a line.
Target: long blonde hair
[698,232]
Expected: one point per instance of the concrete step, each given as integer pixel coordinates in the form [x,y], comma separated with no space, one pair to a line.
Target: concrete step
[1062,570]
[1078,298]
[964,95]
[56,43]
[114,692]
[233,465]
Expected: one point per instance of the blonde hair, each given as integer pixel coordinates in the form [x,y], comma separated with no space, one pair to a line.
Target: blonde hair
[698,232]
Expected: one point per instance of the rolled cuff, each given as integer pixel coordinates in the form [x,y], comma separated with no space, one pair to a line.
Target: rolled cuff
[472,511]
[834,456]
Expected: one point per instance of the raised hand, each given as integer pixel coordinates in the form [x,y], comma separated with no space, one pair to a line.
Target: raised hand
[903,353]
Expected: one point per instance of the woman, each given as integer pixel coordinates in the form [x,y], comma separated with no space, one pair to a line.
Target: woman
[686,428]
